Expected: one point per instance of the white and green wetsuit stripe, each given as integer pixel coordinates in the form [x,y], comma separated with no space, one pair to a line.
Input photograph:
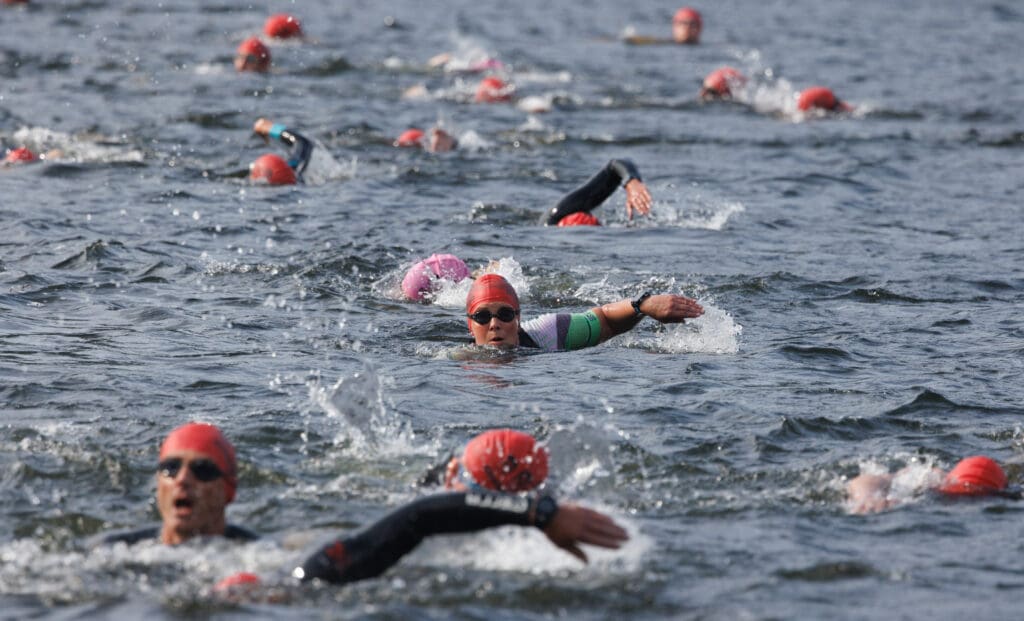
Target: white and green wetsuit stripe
[564,331]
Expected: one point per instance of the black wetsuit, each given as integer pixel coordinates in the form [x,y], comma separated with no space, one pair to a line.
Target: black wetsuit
[594,192]
[300,147]
[371,551]
[131,537]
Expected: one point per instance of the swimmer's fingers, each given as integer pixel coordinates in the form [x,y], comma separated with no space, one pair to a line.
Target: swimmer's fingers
[669,308]
[573,525]
[637,198]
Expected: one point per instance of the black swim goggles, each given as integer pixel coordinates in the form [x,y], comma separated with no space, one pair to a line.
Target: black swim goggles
[202,469]
[504,314]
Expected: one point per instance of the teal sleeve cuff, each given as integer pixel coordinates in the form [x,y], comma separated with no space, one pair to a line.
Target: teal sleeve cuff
[276,129]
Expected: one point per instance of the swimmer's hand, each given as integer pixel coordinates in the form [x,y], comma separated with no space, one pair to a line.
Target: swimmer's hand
[869,493]
[637,198]
[441,141]
[262,127]
[671,308]
[573,525]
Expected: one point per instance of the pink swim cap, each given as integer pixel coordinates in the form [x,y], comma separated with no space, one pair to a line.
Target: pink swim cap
[580,218]
[272,169]
[206,439]
[410,138]
[282,26]
[422,277]
[974,476]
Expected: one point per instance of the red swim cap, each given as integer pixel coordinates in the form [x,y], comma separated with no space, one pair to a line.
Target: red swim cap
[410,138]
[252,55]
[686,14]
[506,460]
[491,288]
[21,154]
[721,80]
[820,97]
[272,169]
[206,439]
[492,90]
[974,476]
[241,581]
[282,26]
[580,218]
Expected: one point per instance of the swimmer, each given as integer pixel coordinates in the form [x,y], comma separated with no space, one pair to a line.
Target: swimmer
[253,56]
[686,27]
[440,141]
[493,90]
[423,277]
[574,208]
[21,155]
[493,317]
[501,460]
[274,169]
[282,26]
[972,476]
[719,84]
[821,98]
[197,477]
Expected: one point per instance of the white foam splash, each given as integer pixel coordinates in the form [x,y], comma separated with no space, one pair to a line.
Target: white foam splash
[527,550]
[61,147]
[357,401]
[701,213]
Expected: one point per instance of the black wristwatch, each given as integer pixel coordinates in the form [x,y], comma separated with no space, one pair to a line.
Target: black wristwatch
[640,300]
[544,510]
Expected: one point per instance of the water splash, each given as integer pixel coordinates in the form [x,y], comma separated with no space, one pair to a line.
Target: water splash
[357,403]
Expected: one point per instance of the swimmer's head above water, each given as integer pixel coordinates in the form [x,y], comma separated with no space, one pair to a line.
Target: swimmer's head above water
[196,479]
[502,460]
[252,55]
[686,26]
[272,169]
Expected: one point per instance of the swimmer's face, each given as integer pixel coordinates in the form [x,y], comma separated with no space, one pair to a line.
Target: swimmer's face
[251,62]
[495,332]
[685,31]
[188,505]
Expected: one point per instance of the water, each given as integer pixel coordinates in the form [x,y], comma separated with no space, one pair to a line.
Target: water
[862,278]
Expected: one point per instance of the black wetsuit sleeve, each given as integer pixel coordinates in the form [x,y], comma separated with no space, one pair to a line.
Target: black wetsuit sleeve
[372,551]
[130,537]
[594,192]
[300,148]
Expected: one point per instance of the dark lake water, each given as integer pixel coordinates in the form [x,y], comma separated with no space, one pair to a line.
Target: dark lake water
[862,277]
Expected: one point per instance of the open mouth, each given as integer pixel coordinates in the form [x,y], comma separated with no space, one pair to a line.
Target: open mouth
[183,504]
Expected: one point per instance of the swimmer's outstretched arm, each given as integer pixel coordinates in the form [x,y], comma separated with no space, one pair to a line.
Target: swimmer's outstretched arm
[300,148]
[372,551]
[602,185]
[621,316]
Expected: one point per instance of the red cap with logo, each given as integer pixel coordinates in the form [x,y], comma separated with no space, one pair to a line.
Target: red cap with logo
[506,460]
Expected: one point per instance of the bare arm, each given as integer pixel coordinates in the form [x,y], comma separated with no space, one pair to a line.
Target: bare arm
[619,317]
